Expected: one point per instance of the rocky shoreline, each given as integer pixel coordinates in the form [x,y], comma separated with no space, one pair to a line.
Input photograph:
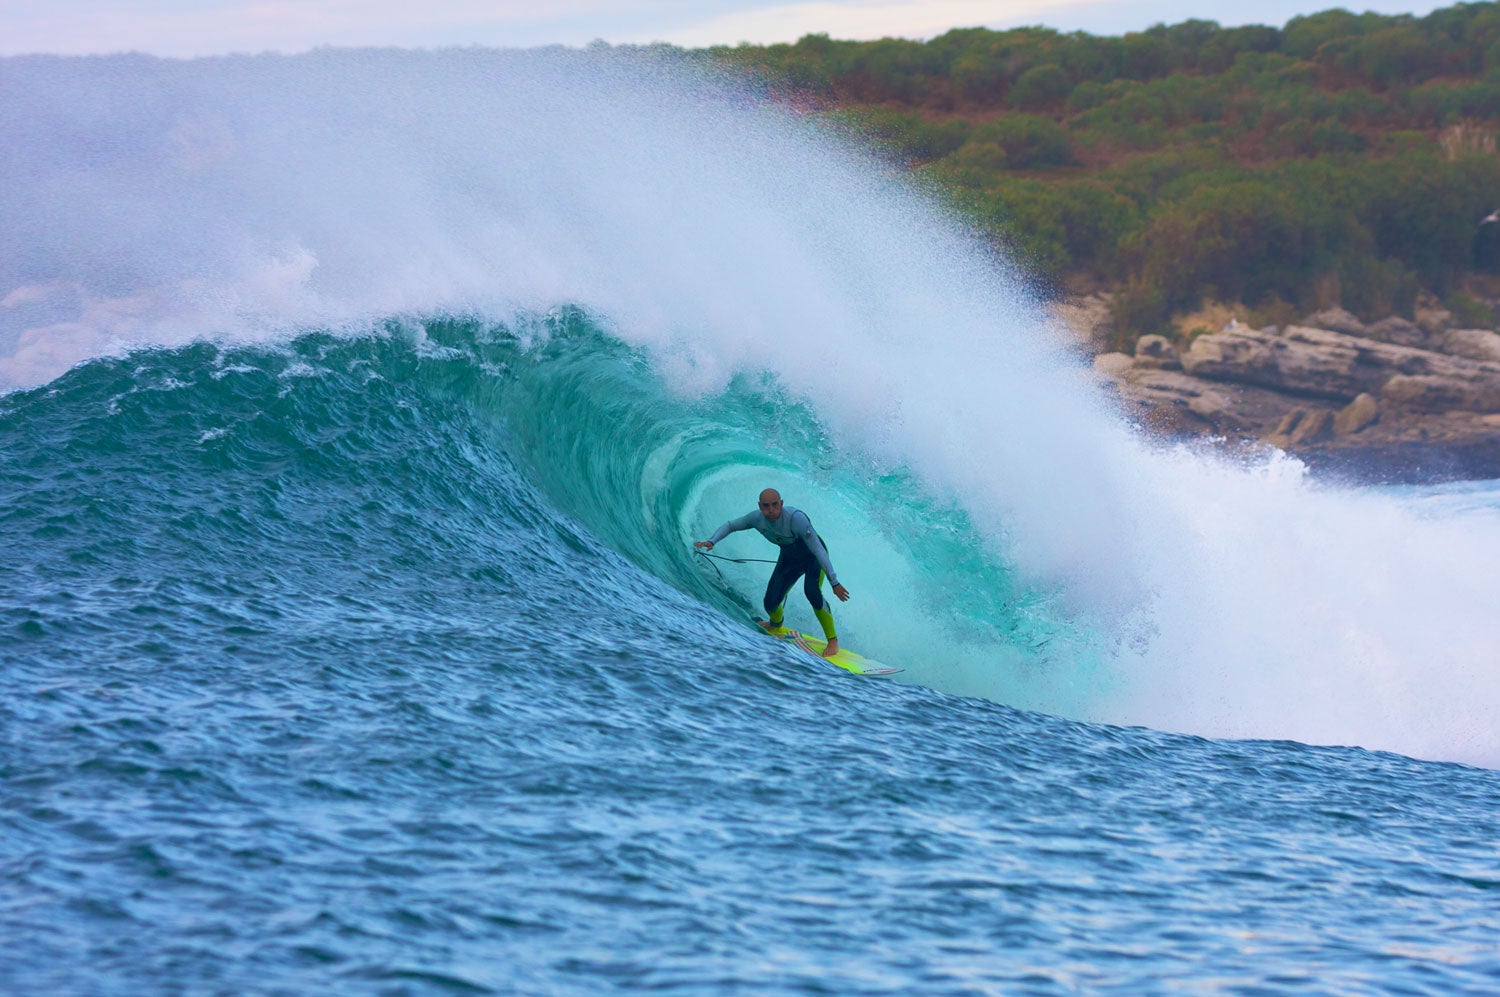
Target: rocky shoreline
[1392,401]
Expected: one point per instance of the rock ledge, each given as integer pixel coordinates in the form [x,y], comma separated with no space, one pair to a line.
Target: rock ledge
[1394,400]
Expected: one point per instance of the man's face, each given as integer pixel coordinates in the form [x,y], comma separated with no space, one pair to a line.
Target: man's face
[771,507]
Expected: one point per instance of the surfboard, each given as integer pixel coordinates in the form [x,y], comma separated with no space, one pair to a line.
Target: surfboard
[846,659]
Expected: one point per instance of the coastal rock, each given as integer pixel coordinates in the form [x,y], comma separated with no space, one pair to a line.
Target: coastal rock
[1398,330]
[1087,318]
[1443,392]
[1476,344]
[1283,430]
[1171,403]
[1349,404]
[1410,446]
[1315,427]
[1234,355]
[1316,363]
[1157,352]
[1337,320]
[1302,426]
[1296,361]
[1358,414]
[1112,365]
[1434,320]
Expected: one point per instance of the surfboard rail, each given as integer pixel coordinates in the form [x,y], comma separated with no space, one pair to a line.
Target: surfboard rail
[851,661]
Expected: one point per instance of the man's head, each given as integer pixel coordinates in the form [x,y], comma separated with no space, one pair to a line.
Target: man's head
[770,503]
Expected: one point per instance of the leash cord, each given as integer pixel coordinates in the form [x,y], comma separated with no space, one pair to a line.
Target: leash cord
[733,560]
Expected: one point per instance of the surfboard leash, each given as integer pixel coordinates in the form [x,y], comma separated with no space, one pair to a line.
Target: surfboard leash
[733,560]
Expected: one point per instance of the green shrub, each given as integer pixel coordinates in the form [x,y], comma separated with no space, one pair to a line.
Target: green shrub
[1040,88]
[1470,313]
[1343,156]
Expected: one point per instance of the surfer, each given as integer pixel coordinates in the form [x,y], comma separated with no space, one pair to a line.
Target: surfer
[803,555]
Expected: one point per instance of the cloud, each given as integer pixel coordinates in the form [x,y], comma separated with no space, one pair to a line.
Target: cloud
[860,19]
[165,28]
[207,27]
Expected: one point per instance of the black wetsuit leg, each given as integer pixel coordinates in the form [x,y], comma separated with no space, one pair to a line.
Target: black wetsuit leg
[795,561]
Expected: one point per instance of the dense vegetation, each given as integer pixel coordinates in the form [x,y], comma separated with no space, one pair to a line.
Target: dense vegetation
[1342,158]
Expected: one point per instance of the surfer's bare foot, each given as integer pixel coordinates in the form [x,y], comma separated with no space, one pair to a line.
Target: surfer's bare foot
[767,625]
[832,648]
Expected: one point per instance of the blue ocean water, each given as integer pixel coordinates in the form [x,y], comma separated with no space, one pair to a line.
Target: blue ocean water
[351,640]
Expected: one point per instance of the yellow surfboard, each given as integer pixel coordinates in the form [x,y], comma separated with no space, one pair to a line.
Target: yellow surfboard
[845,659]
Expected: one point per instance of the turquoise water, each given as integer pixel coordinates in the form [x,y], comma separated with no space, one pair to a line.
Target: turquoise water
[360,411]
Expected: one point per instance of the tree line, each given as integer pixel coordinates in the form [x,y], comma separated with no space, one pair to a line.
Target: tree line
[1342,158]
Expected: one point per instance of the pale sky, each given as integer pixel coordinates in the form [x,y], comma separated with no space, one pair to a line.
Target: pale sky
[208,27]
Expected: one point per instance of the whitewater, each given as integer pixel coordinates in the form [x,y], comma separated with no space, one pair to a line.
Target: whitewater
[360,411]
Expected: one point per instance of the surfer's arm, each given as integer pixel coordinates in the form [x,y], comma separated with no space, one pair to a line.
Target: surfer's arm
[733,526]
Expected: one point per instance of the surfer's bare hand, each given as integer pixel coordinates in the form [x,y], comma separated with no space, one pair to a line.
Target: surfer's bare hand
[841,592]
[705,544]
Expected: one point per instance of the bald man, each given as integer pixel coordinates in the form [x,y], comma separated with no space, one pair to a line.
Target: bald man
[803,555]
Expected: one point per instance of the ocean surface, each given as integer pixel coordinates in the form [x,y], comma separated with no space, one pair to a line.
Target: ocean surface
[360,410]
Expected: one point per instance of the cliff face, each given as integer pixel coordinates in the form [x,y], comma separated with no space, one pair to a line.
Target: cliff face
[1394,400]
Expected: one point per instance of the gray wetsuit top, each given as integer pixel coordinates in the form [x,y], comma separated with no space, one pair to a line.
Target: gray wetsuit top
[788,528]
